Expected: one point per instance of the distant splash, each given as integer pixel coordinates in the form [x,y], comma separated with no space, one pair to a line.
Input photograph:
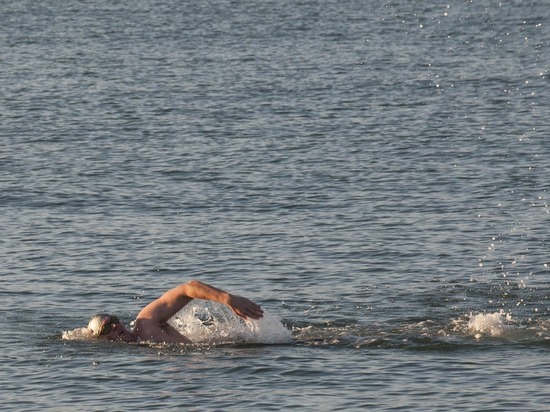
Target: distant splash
[208,323]
[489,324]
[501,325]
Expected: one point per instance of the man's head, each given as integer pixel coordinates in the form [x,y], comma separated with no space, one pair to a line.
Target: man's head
[106,326]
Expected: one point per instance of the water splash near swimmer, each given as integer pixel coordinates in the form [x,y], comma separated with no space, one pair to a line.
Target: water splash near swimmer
[76,334]
[207,322]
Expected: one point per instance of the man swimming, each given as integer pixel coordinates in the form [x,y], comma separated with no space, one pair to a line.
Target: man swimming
[151,324]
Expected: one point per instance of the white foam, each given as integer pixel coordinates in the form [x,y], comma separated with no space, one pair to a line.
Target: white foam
[489,324]
[76,334]
[501,325]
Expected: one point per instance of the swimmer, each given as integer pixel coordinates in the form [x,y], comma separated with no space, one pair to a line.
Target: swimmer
[152,322]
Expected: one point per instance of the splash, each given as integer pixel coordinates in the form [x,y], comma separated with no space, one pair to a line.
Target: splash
[500,325]
[491,324]
[205,322]
[76,334]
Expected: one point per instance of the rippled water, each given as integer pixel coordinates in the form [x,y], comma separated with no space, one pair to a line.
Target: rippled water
[374,174]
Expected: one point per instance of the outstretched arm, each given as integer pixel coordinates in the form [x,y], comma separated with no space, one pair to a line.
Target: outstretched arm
[173,300]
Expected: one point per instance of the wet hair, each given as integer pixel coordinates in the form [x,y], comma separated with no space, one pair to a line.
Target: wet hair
[95,323]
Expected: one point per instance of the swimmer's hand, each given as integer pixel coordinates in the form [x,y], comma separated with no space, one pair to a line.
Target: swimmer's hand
[244,307]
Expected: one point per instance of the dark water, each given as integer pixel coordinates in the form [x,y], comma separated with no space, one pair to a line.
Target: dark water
[375,174]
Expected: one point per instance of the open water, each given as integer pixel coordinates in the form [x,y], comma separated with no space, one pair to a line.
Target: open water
[374,173]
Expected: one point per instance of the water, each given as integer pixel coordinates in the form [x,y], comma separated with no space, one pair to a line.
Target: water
[374,174]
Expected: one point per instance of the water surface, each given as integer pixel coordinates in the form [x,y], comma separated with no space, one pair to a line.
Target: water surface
[375,175]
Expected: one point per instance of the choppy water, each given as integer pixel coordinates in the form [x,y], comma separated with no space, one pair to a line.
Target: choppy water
[375,174]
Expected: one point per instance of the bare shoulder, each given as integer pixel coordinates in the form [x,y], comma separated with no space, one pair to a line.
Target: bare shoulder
[159,332]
